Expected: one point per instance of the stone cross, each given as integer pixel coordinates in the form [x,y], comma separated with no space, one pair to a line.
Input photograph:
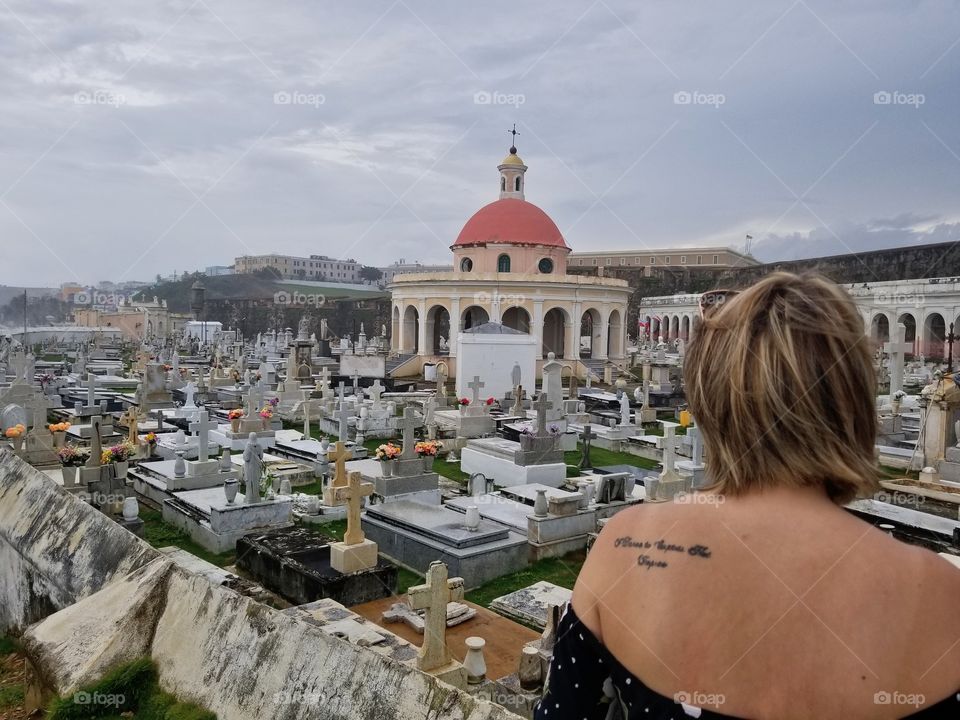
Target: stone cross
[476,385]
[95,447]
[356,381]
[202,428]
[432,598]
[896,351]
[131,417]
[586,437]
[342,414]
[325,377]
[541,405]
[37,406]
[353,494]
[408,425]
[91,390]
[668,444]
[696,445]
[254,399]
[339,455]
[376,390]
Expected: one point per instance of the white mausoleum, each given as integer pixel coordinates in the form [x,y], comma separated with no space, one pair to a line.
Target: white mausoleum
[510,266]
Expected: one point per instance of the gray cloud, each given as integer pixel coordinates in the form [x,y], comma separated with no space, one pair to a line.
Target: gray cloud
[115,116]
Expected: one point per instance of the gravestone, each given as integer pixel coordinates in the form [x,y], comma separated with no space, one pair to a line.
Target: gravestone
[434,655]
[356,552]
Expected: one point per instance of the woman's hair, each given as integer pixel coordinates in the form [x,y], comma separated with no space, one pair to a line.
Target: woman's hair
[780,381]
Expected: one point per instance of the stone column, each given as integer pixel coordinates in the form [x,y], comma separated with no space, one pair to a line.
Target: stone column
[395,326]
[422,328]
[455,327]
[571,343]
[600,349]
[536,325]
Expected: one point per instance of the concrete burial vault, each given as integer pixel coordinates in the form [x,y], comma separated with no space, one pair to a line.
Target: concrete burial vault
[84,594]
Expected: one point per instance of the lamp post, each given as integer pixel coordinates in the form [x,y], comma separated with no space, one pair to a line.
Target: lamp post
[198,300]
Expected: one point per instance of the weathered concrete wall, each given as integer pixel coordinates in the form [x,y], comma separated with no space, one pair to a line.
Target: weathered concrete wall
[54,549]
[109,597]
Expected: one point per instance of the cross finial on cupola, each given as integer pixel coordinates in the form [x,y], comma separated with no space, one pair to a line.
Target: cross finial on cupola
[511,171]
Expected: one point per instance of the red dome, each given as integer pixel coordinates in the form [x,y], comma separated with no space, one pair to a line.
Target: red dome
[510,221]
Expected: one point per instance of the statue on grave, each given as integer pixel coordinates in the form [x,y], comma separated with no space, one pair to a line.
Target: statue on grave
[304,328]
[624,409]
[252,469]
[516,375]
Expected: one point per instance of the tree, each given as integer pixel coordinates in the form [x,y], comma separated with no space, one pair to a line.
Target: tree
[370,273]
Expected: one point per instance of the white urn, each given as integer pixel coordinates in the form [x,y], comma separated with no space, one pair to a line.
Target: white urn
[131,508]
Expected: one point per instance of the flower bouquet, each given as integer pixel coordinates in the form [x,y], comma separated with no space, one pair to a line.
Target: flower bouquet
[235,416]
[386,454]
[16,433]
[427,450]
[463,403]
[71,457]
[266,414]
[59,431]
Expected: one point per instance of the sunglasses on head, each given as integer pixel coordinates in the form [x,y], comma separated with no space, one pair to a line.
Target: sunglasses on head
[713,300]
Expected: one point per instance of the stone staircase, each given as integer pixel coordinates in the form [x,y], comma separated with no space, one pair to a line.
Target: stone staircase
[394,362]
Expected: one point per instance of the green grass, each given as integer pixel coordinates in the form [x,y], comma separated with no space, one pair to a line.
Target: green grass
[601,456]
[559,571]
[8,645]
[160,534]
[11,697]
[134,689]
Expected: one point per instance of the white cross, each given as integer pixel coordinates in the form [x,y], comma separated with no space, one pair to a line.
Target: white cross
[407,425]
[668,443]
[343,415]
[376,390]
[432,598]
[476,385]
[91,390]
[202,428]
[896,351]
[541,405]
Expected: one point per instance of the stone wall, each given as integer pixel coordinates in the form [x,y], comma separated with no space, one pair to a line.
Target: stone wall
[98,596]
[913,262]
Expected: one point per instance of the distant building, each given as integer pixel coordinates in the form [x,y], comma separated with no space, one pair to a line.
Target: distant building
[217,270]
[135,319]
[290,267]
[651,260]
[401,267]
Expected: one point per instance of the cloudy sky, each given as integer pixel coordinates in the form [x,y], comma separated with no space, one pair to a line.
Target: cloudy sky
[140,138]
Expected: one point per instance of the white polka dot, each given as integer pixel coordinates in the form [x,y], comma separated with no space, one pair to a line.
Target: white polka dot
[573,659]
[557,705]
[629,681]
[576,685]
[581,636]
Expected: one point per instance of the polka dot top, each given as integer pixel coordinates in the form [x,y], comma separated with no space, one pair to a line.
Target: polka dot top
[586,682]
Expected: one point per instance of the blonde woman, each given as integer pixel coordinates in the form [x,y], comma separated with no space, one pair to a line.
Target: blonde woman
[761,597]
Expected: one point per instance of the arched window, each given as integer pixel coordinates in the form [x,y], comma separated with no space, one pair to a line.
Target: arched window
[516,183]
[503,184]
[466,265]
[503,263]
